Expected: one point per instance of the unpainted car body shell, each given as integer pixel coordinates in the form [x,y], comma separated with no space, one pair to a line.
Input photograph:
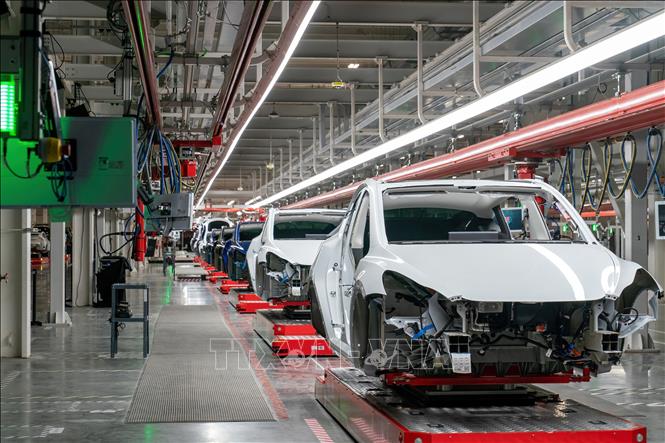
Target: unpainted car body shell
[509,272]
[297,252]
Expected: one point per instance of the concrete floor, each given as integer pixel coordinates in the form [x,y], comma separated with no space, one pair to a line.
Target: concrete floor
[70,390]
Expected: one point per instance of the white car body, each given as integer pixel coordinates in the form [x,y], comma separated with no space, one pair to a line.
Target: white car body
[461,281]
[297,255]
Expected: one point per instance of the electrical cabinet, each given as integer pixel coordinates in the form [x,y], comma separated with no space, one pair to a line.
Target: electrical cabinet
[101,168]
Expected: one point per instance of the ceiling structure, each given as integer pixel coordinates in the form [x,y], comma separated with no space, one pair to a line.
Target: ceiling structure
[345,50]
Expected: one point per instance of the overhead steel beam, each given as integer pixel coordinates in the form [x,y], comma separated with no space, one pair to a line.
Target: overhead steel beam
[139,27]
[388,24]
[633,110]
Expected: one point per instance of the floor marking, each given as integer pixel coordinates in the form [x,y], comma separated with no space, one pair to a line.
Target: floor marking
[318,431]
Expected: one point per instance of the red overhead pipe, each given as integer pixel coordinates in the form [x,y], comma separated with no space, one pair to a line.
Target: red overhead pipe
[633,110]
[215,141]
[251,26]
[136,19]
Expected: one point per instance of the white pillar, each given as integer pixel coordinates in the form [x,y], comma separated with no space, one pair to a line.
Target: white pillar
[57,273]
[16,286]
[82,257]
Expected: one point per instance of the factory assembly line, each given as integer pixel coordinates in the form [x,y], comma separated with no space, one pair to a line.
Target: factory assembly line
[320,221]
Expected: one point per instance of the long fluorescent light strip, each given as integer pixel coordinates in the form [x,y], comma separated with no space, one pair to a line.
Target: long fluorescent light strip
[289,52]
[622,41]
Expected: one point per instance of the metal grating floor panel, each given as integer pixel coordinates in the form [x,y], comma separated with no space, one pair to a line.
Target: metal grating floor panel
[196,373]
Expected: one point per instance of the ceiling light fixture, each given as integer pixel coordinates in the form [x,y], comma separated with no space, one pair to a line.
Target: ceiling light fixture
[287,56]
[636,35]
[252,200]
[273,114]
[353,65]
[231,203]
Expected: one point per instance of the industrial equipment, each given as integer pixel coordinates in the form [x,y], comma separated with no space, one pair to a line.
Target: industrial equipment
[169,212]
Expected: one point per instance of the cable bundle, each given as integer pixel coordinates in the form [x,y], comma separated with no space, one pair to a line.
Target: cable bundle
[654,148]
[167,158]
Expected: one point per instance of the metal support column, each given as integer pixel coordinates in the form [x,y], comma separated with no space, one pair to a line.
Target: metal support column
[352,116]
[635,214]
[15,283]
[382,133]
[57,274]
[82,257]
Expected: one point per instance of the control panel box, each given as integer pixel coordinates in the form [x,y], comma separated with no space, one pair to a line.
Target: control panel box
[169,212]
[101,173]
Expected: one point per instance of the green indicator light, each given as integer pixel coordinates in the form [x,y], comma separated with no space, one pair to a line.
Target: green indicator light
[564,228]
[8,105]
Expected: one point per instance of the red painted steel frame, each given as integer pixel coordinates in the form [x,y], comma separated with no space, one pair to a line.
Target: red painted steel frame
[633,110]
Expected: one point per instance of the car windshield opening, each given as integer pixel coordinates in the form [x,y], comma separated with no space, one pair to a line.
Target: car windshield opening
[476,216]
[217,224]
[306,226]
[249,231]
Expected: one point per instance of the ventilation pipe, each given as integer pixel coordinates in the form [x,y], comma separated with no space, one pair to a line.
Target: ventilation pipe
[382,134]
[331,132]
[352,88]
[321,127]
[419,62]
[260,179]
[281,168]
[314,150]
[300,167]
[290,162]
[568,32]
[476,49]
[568,26]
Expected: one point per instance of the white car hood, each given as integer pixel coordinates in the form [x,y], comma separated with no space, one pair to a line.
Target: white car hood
[301,252]
[518,272]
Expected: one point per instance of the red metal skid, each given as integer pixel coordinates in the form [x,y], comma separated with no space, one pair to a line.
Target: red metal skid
[401,378]
[293,329]
[251,306]
[301,346]
[227,285]
[213,276]
[369,424]
[248,296]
